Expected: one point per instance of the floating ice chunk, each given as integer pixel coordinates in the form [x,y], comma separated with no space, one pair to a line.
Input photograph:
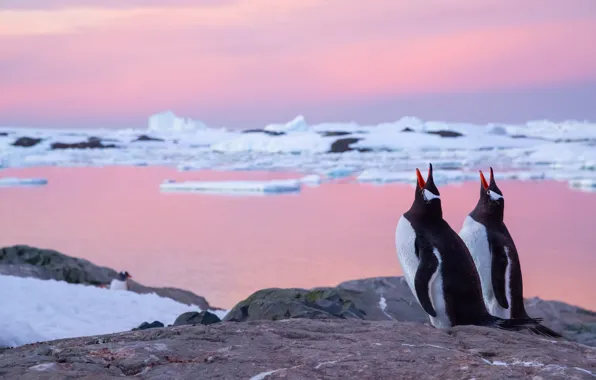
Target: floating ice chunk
[13,181]
[383,176]
[583,183]
[311,180]
[298,124]
[168,121]
[340,172]
[233,187]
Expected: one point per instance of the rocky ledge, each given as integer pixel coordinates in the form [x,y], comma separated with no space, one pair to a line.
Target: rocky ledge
[304,349]
[389,298]
[46,264]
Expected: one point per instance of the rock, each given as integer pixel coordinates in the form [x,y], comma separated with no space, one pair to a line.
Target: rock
[180,295]
[45,264]
[270,133]
[26,142]
[407,129]
[392,292]
[304,349]
[91,143]
[343,145]
[389,298]
[3,134]
[334,133]
[147,325]
[195,318]
[445,133]
[53,264]
[147,138]
[320,303]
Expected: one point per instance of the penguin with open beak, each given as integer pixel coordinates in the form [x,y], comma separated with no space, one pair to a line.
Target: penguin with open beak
[495,255]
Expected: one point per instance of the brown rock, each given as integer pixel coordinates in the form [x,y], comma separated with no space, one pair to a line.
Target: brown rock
[304,349]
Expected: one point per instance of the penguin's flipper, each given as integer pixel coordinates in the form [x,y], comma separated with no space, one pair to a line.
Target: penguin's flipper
[498,273]
[427,267]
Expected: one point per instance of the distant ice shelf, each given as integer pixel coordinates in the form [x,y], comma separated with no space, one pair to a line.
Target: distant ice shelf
[233,187]
[13,181]
[380,154]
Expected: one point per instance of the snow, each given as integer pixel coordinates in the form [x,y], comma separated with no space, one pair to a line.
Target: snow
[536,150]
[13,181]
[234,187]
[36,310]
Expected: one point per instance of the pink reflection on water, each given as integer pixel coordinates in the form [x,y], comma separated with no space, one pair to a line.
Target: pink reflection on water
[226,247]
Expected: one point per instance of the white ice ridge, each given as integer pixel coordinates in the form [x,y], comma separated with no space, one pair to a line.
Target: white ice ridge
[13,181]
[168,121]
[36,310]
[233,187]
[382,153]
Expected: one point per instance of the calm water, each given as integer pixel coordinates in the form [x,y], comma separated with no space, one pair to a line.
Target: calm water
[224,248]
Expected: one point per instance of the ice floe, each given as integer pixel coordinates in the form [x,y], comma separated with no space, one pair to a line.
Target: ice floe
[383,153]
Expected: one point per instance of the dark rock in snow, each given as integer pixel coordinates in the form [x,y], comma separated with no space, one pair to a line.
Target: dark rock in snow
[334,133]
[270,133]
[91,143]
[343,145]
[303,349]
[147,138]
[445,133]
[195,318]
[147,325]
[45,264]
[26,142]
[3,134]
[407,129]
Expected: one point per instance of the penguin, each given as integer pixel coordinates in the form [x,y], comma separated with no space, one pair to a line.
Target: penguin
[119,283]
[438,267]
[495,256]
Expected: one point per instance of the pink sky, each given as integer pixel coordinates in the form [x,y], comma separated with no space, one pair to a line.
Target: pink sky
[245,62]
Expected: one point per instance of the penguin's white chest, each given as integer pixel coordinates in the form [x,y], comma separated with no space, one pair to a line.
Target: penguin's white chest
[118,285]
[405,244]
[475,237]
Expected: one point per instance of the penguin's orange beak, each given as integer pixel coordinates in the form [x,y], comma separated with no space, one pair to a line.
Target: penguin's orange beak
[483,180]
[421,182]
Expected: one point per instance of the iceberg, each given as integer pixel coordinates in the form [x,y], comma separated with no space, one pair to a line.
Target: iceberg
[13,181]
[233,187]
[168,121]
[298,124]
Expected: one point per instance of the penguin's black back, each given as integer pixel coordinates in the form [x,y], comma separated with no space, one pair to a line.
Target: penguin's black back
[461,284]
[498,238]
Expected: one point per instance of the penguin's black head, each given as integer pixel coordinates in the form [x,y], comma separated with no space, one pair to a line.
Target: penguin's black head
[490,194]
[122,276]
[427,198]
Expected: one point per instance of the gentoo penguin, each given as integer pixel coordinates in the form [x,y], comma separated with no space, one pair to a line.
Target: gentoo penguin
[495,256]
[119,283]
[438,266]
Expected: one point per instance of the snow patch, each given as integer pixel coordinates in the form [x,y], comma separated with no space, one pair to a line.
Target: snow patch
[36,310]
